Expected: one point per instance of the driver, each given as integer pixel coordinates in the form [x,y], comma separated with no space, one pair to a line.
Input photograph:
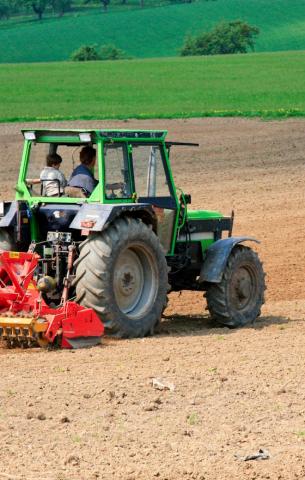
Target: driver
[52,179]
[83,176]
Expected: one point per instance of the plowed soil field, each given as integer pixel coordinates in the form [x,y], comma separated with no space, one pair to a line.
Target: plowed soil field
[95,414]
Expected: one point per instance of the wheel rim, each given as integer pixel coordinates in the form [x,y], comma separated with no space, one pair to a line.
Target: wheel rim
[243,288]
[135,281]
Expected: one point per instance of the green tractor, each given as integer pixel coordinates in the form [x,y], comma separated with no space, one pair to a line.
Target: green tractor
[134,239]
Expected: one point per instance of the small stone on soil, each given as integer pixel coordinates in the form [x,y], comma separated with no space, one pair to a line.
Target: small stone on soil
[111,395]
[150,408]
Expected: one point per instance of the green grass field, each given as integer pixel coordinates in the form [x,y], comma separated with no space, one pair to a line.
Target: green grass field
[268,85]
[151,32]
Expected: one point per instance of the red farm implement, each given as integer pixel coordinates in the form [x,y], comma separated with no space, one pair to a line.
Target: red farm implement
[27,320]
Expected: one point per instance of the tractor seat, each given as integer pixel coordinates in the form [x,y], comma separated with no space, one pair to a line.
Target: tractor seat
[75,192]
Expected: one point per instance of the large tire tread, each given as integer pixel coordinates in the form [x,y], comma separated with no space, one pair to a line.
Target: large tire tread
[216,295]
[94,270]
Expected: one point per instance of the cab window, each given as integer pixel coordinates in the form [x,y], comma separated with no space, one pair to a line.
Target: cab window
[149,174]
[45,177]
[117,178]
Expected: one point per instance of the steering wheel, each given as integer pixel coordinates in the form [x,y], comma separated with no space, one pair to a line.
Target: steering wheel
[113,187]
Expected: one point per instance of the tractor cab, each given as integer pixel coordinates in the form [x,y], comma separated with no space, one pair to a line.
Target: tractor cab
[131,167]
[130,173]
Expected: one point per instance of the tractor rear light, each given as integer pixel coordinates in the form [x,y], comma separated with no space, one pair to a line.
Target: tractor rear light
[88,223]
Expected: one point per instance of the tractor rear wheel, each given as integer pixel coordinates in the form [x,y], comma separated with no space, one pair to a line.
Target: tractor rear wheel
[238,298]
[122,274]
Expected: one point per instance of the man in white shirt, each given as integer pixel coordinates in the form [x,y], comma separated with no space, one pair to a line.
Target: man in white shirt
[52,179]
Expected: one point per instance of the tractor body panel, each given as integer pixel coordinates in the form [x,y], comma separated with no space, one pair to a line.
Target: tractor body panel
[97,217]
[55,217]
[8,215]
[9,212]
[204,226]
[15,218]
[201,230]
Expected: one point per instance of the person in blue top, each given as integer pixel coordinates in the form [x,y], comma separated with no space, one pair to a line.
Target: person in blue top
[83,176]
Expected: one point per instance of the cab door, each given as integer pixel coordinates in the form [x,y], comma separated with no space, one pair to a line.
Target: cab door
[117,178]
[152,184]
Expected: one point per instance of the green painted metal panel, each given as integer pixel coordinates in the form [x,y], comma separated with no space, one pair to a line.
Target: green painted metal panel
[205,244]
[203,214]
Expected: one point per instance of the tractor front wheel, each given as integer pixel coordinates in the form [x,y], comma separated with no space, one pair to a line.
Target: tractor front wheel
[122,274]
[238,298]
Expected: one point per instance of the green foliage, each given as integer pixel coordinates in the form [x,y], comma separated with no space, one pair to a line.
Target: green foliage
[5,9]
[281,22]
[61,6]
[224,38]
[38,6]
[222,85]
[85,53]
[193,418]
[91,52]
[111,52]
[9,7]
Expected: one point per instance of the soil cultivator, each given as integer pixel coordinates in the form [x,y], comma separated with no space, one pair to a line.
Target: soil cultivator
[25,318]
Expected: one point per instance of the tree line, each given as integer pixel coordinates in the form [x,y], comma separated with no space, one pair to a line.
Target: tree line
[60,7]
[230,37]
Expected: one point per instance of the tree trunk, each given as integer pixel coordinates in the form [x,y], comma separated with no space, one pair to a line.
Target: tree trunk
[38,11]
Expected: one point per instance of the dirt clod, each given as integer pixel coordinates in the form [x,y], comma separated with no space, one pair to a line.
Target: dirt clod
[73,460]
[65,419]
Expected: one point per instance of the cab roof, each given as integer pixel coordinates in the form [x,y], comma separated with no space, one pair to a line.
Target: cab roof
[79,134]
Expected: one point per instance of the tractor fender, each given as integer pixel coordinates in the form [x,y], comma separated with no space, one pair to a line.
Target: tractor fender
[97,217]
[8,215]
[217,256]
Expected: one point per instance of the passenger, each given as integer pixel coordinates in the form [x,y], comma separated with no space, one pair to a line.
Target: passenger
[52,179]
[83,176]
